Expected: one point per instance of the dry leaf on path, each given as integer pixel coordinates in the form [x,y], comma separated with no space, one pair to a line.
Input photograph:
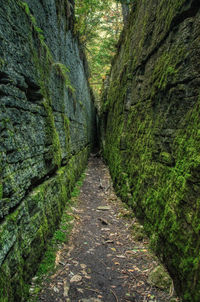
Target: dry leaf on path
[66,288]
[76,278]
[121,256]
[104,208]
[56,290]
[117,263]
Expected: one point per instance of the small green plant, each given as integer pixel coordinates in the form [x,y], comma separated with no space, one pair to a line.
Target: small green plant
[80,183]
[48,262]
[59,235]
[75,192]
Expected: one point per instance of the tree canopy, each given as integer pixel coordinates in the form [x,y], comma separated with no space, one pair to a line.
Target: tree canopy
[99,24]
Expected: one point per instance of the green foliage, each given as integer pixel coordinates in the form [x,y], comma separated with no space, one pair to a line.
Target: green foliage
[75,192]
[60,236]
[99,24]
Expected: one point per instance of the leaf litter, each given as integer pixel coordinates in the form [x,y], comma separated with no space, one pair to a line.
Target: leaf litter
[100,263]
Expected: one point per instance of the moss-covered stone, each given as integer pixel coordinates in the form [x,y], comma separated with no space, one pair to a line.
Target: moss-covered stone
[160,278]
[30,226]
[45,135]
[151,127]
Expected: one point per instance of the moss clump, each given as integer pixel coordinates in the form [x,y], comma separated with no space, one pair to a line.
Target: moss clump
[160,278]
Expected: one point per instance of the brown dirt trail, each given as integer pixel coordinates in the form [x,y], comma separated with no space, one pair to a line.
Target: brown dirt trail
[102,262]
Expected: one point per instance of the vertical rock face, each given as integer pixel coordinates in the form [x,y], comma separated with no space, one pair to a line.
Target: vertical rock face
[46,130]
[151,131]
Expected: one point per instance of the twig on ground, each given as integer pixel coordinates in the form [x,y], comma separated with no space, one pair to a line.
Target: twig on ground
[114,294]
[108,187]
[94,290]
[102,262]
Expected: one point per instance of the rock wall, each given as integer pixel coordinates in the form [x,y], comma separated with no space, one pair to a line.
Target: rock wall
[150,128]
[47,123]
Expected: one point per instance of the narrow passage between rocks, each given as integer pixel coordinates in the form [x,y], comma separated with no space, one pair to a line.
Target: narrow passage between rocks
[102,262]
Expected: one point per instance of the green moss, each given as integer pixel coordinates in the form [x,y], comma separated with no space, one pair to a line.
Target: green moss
[2,63]
[157,176]
[1,190]
[166,158]
[61,235]
[165,70]
[44,65]
[40,211]
[66,123]
[48,262]
[63,72]
[5,289]
[160,278]
[53,135]
[37,29]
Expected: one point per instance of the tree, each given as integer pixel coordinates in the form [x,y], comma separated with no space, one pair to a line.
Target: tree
[99,24]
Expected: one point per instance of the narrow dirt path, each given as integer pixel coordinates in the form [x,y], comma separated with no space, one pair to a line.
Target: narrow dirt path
[102,262]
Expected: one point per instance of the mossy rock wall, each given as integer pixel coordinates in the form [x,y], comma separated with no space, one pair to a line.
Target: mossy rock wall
[150,130]
[47,123]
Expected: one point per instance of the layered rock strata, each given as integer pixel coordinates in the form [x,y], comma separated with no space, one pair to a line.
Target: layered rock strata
[47,122]
[151,131]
